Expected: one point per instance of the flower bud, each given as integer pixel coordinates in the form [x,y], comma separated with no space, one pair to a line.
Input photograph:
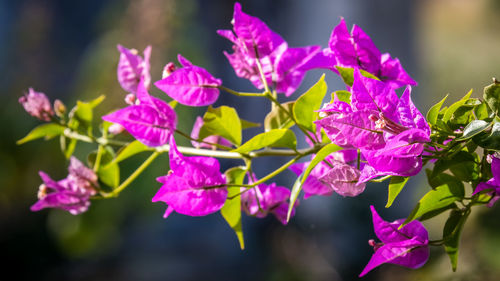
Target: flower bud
[168,69]
[37,105]
[130,99]
[59,108]
[115,129]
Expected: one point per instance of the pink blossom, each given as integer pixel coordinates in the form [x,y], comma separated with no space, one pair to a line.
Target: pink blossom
[132,68]
[194,186]
[71,194]
[37,105]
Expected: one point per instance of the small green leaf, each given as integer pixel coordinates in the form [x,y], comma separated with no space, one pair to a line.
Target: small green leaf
[245,124]
[222,121]
[173,104]
[296,188]
[492,96]
[462,158]
[482,111]
[83,113]
[395,187]
[347,74]
[278,118]
[432,114]
[438,198]
[451,235]
[449,112]
[303,110]
[273,138]
[46,131]
[131,149]
[490,141]
[97,101]
[320,156]
[231,211]
[343,95]
[475,127]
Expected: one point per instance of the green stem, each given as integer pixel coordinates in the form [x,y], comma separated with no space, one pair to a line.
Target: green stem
[98,158]
[261,71]
[204,152]
[241,94]
[220,146]
[132,177]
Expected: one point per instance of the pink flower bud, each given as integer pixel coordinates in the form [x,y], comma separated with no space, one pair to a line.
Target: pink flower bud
[168,69]
[115,129]
[130,99]
[59,108]
[37,105]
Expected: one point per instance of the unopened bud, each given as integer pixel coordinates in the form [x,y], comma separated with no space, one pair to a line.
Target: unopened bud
[489,158]
[37,105]
[42,191]
[115,129]
[130,99]
[168,69]
[59,108]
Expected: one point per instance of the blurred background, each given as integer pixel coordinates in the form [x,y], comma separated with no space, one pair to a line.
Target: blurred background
[67,49]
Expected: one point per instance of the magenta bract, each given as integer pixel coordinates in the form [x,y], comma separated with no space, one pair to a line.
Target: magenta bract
[408,246]
[150,122]
[190,85]
[263,199]
[132,68]
[71,194]
[254,42]
[357,50]
[194,186]
[492,185]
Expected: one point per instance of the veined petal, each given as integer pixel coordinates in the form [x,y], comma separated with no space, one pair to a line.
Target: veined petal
[368,55]
[343,179]
[353,130]
[145,123]
[192,85]
[371,94]
[409,115]
[255,36]
[393,73]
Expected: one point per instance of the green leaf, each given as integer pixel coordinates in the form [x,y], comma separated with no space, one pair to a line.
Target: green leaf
[97,101]
[437,212]
[173,104]
[83,113]
[320,156]
[475,127]
[462,161]
[451,235]
[343,95]
[278,118]
[449,112]
[222,121]
[438,198]
[395,187]
[109,171]
[490,141]
[482,111]
[46,131]
[432,114]
[247,124]
[131,149]
[231,211]
[273,138]
[296,188]
[303,110]
[347,74]
[492,95]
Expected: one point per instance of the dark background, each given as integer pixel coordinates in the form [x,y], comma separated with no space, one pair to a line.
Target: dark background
[67,49]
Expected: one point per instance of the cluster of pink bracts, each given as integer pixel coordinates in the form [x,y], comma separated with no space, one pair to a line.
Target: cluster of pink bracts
[384,131]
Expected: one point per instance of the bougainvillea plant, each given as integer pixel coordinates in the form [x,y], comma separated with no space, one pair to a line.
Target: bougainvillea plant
[365,133]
